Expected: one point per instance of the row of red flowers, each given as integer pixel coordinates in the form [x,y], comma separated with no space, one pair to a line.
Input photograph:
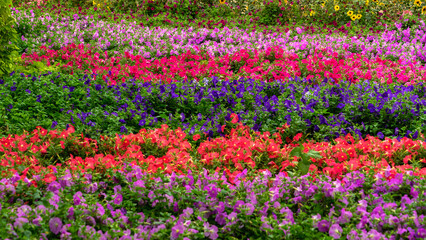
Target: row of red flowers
[272,63]
[167,150]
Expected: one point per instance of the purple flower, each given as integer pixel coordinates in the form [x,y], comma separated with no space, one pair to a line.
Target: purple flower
[123,129]
[90,221]
[54,123]
[372,234]
[78,198]
[71,213]
[352,235]
[55,225]
[335,231]
[188,212]
[210,231]
[36,221]
[19,222]
[345,216]
[100,209]
[54,187]
[250,208]
[421,233]
[22,211]
[323,226]
[177,230]
[118,199]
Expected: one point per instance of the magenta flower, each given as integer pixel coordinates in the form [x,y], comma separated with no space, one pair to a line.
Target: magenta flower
[19,222]
[335,231]
[55,225]
[323,226]
[118,199]
[345,216]
[100,209]
[177,230]
[210,231]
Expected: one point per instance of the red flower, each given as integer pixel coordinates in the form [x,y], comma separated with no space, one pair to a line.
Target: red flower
[48,178]
[22,146]
[234,118]
[42,131]
[297,137]
[196,137]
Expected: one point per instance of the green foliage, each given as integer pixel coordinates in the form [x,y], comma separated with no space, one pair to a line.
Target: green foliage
[7,35]
[185,9]
[305,162]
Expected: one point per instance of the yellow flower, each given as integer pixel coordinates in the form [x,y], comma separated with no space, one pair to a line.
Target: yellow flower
[418,3]
[336,7]
[353,17]
[424,10]
[350,13]
[99,5]
[222,1]
[94,3]
[312,13]
[359,16]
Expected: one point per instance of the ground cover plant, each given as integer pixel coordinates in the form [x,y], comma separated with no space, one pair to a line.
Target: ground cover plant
[213,120]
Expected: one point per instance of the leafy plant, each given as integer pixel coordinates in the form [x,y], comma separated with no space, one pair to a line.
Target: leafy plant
[7,37]
[305,163]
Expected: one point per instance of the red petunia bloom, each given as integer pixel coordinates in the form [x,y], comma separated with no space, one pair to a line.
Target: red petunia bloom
[22,146]
[234,118]
[196,137]
[48,178]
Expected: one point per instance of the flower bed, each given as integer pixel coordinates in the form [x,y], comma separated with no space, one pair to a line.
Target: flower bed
[272,64]
[324,111]
[110,129]
[133,204]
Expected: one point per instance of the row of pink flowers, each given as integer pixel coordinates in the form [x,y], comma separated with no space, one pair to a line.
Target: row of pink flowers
[269,65]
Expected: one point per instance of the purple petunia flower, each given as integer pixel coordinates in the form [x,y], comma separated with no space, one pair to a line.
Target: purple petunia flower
[55,225]
[335,231]
[19,222]
[250,209]
[118,199]
[352,235]
[345,216]
[188,212]
[100,209]
[90,221]
[78,198]
[323,226]
[177,230]
[210,231]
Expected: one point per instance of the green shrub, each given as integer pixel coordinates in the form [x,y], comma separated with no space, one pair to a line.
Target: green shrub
[7,36]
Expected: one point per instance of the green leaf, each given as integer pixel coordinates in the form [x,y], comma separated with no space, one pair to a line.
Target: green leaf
[304,168]
[314,154]
[296,152]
